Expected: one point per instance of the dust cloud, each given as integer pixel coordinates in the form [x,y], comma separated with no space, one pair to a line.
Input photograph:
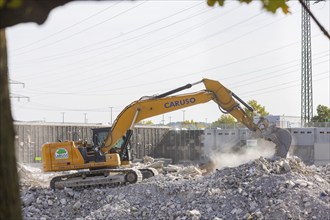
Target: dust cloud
[231,158]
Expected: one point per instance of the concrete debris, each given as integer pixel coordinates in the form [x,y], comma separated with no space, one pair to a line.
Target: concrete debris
[147,160]
[260,189]
[190,171]
[33,176]
[172,168]
[156,165]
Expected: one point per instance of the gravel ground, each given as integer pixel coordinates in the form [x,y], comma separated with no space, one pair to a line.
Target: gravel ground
[260,189]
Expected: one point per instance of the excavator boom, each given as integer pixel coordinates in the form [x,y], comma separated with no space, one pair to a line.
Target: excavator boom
[227,101]
[146,108]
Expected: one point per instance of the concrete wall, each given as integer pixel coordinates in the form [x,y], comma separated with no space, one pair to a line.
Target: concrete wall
[302,145]
[310,144]
[224,139]
[322,146]
[321,154]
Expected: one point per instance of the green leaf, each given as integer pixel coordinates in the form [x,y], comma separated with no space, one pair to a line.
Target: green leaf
[213,2]
[323,114]
[273,5]
[10,3]
[268,5]
[246,1]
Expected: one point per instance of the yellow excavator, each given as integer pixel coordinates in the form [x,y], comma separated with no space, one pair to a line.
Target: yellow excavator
[107,160]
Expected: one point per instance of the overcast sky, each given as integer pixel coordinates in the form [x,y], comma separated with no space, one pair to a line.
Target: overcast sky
[89,58]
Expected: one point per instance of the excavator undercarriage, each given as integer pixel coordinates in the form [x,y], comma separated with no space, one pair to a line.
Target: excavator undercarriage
[116,176]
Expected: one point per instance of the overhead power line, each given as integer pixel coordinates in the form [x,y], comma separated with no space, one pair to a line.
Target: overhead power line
[246,82]
[265,72]
[247,94]
[253,80]
[254,92]
[71,53]
[277,65]
[180,48]
[79,32]
[167,53]
[145,48]
[314,18]
[66,28]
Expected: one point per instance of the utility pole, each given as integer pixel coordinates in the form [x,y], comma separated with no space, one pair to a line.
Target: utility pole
[63,117]
[18,96]
[306,68]
[85,118]
[16,82]
[111,115]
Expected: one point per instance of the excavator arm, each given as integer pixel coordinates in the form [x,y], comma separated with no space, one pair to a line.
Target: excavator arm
[226,100]
[147,107]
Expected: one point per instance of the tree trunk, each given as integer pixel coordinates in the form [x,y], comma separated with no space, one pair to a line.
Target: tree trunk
[10,204]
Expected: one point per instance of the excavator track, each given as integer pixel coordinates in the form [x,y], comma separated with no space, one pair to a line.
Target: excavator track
[97,177]
[148,172]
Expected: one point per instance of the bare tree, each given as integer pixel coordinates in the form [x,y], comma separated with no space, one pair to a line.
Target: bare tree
[12,14]
[10,204]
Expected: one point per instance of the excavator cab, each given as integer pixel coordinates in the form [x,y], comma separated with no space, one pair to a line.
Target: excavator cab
[99,135]
[122,146]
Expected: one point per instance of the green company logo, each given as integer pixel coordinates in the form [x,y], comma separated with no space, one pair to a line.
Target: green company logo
[61,153]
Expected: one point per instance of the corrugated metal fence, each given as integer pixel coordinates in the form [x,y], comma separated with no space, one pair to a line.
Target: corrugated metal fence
[181,145]
[31,136]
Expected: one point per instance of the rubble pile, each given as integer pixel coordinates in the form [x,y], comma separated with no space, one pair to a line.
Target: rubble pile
[261,189]
[33,176]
